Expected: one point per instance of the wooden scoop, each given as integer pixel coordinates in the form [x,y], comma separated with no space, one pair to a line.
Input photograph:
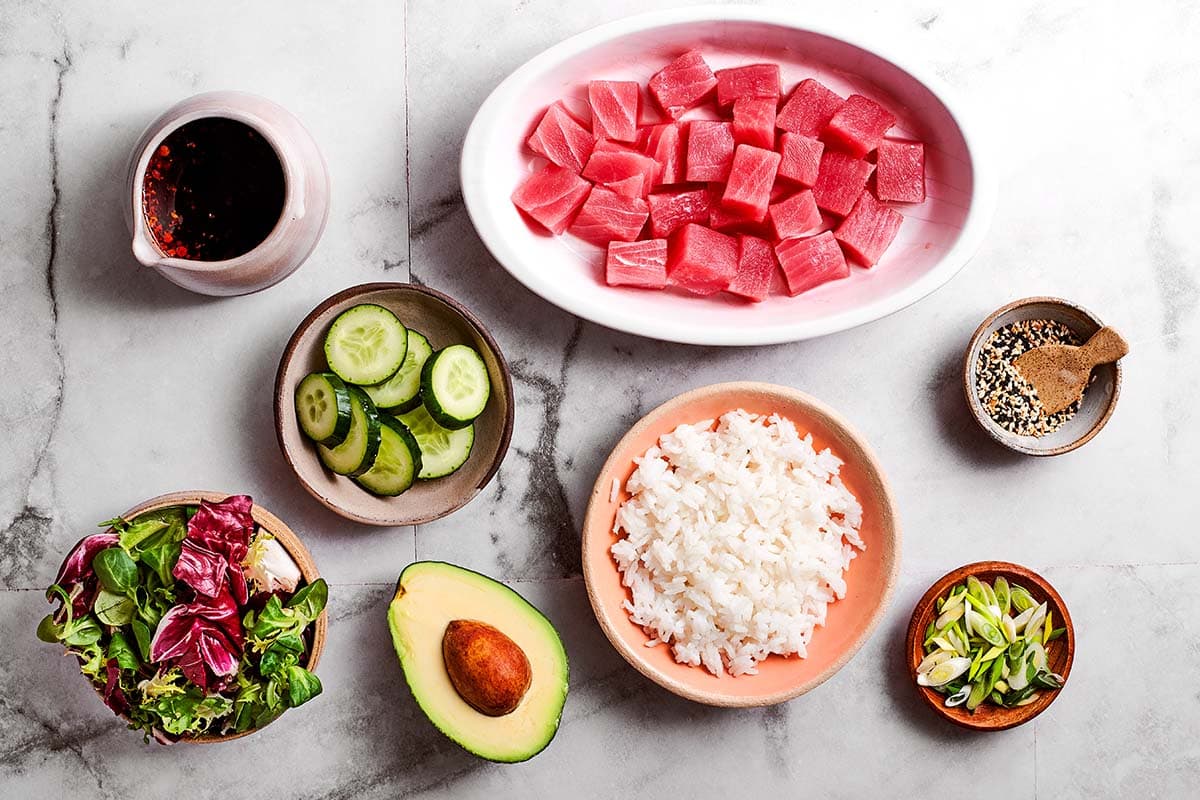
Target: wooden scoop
[1060,372]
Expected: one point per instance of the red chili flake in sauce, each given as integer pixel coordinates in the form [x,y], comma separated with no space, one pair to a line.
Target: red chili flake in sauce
[213,190]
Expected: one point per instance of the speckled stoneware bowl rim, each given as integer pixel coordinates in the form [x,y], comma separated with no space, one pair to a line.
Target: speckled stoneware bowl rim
[504,396]
[987,717]
[1010,440]
[286,538]
[598,523]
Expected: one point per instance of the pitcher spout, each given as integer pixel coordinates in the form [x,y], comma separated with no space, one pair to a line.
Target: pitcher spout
[145,252]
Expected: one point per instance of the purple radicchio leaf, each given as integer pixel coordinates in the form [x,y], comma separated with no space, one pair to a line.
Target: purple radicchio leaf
[76,577]
[201,569]
[78,565]
[114,696]
[203,639]
[223,529]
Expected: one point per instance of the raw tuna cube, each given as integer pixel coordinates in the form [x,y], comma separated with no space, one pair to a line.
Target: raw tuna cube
[809,109]
[551,196]
[754,122]
[859,125]
[701,261]
[722,219]
[614,109]
[630,169]
[752,80]
[665,145]
[634,186]
[621,147]
[900,171]
[810,262]
[642,264]
[683,83]
[840,180]
[560,138]
[607,216]
[796,216]
[672,210]
[756,268]
[868,230]
[751,177]
[801,158]
[709,151]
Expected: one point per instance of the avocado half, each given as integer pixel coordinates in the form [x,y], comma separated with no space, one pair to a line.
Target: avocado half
[431,594]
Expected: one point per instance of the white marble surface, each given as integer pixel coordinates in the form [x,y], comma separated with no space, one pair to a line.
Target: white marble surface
[118,386]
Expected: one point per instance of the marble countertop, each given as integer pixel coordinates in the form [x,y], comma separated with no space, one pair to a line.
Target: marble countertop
[119,386]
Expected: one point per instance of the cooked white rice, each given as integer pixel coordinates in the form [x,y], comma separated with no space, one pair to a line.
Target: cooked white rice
[735,540]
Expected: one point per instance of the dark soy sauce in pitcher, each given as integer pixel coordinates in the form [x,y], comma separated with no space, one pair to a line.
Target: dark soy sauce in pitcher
[214,190]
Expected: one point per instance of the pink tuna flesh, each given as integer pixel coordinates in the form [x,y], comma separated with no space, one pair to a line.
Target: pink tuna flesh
[642,264]
[551,196]
[900,171]
[868,230]
[709,151]
[810,262]
[683,83]
[561,139]
[607,216]
[614,109]
[750,180]
[809,109]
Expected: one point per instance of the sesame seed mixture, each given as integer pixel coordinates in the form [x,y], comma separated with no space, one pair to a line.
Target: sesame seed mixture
[1009,399]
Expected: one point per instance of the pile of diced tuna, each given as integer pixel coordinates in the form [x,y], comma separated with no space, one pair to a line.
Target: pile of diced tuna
[722,205]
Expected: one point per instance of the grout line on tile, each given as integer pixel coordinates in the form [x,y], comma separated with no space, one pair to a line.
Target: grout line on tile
[1035,759]
[1126,566]
[407,164]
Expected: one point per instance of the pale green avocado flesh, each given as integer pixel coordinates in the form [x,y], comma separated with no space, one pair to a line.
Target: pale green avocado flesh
[429,595]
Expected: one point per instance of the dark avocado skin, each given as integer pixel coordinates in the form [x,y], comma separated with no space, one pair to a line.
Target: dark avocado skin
[399,592]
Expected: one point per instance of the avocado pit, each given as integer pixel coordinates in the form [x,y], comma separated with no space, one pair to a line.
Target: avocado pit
[490,672]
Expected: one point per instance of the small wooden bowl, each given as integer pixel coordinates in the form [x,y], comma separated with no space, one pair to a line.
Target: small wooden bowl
[1060,653]
[445,322]
[870,580]
[286,538]
[1099,400]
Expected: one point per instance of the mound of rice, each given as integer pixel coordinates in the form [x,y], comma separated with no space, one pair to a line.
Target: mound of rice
[735,540]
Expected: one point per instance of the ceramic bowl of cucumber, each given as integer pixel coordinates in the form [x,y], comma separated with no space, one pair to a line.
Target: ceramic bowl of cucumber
[393,404]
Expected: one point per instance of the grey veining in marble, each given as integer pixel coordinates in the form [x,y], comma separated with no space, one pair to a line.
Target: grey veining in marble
[118,386]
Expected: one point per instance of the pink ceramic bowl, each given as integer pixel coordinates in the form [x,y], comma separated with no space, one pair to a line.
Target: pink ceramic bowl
[870,580]
[935,241]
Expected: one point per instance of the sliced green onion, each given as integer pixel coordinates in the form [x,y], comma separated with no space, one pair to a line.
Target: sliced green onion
[933,659]
[944,672]
[949,615]
[1021,599]
[1003,594]
[959,697]
[977,651]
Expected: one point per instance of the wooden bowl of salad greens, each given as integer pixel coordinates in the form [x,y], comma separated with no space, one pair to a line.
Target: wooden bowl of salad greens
[990,645]
[196,616]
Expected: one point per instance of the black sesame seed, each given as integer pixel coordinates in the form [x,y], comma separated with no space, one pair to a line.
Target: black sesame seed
[1006,396]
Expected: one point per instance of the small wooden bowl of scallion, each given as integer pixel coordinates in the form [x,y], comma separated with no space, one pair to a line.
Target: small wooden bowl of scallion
[990,645]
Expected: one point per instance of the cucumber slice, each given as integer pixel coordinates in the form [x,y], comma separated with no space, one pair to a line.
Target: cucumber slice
[323,408]
[397,464]
[455,386]
[357,454]
[402,391]
[443,451]
[366,344]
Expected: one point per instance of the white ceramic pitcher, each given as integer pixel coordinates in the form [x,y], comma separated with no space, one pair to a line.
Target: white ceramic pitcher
[305,205]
